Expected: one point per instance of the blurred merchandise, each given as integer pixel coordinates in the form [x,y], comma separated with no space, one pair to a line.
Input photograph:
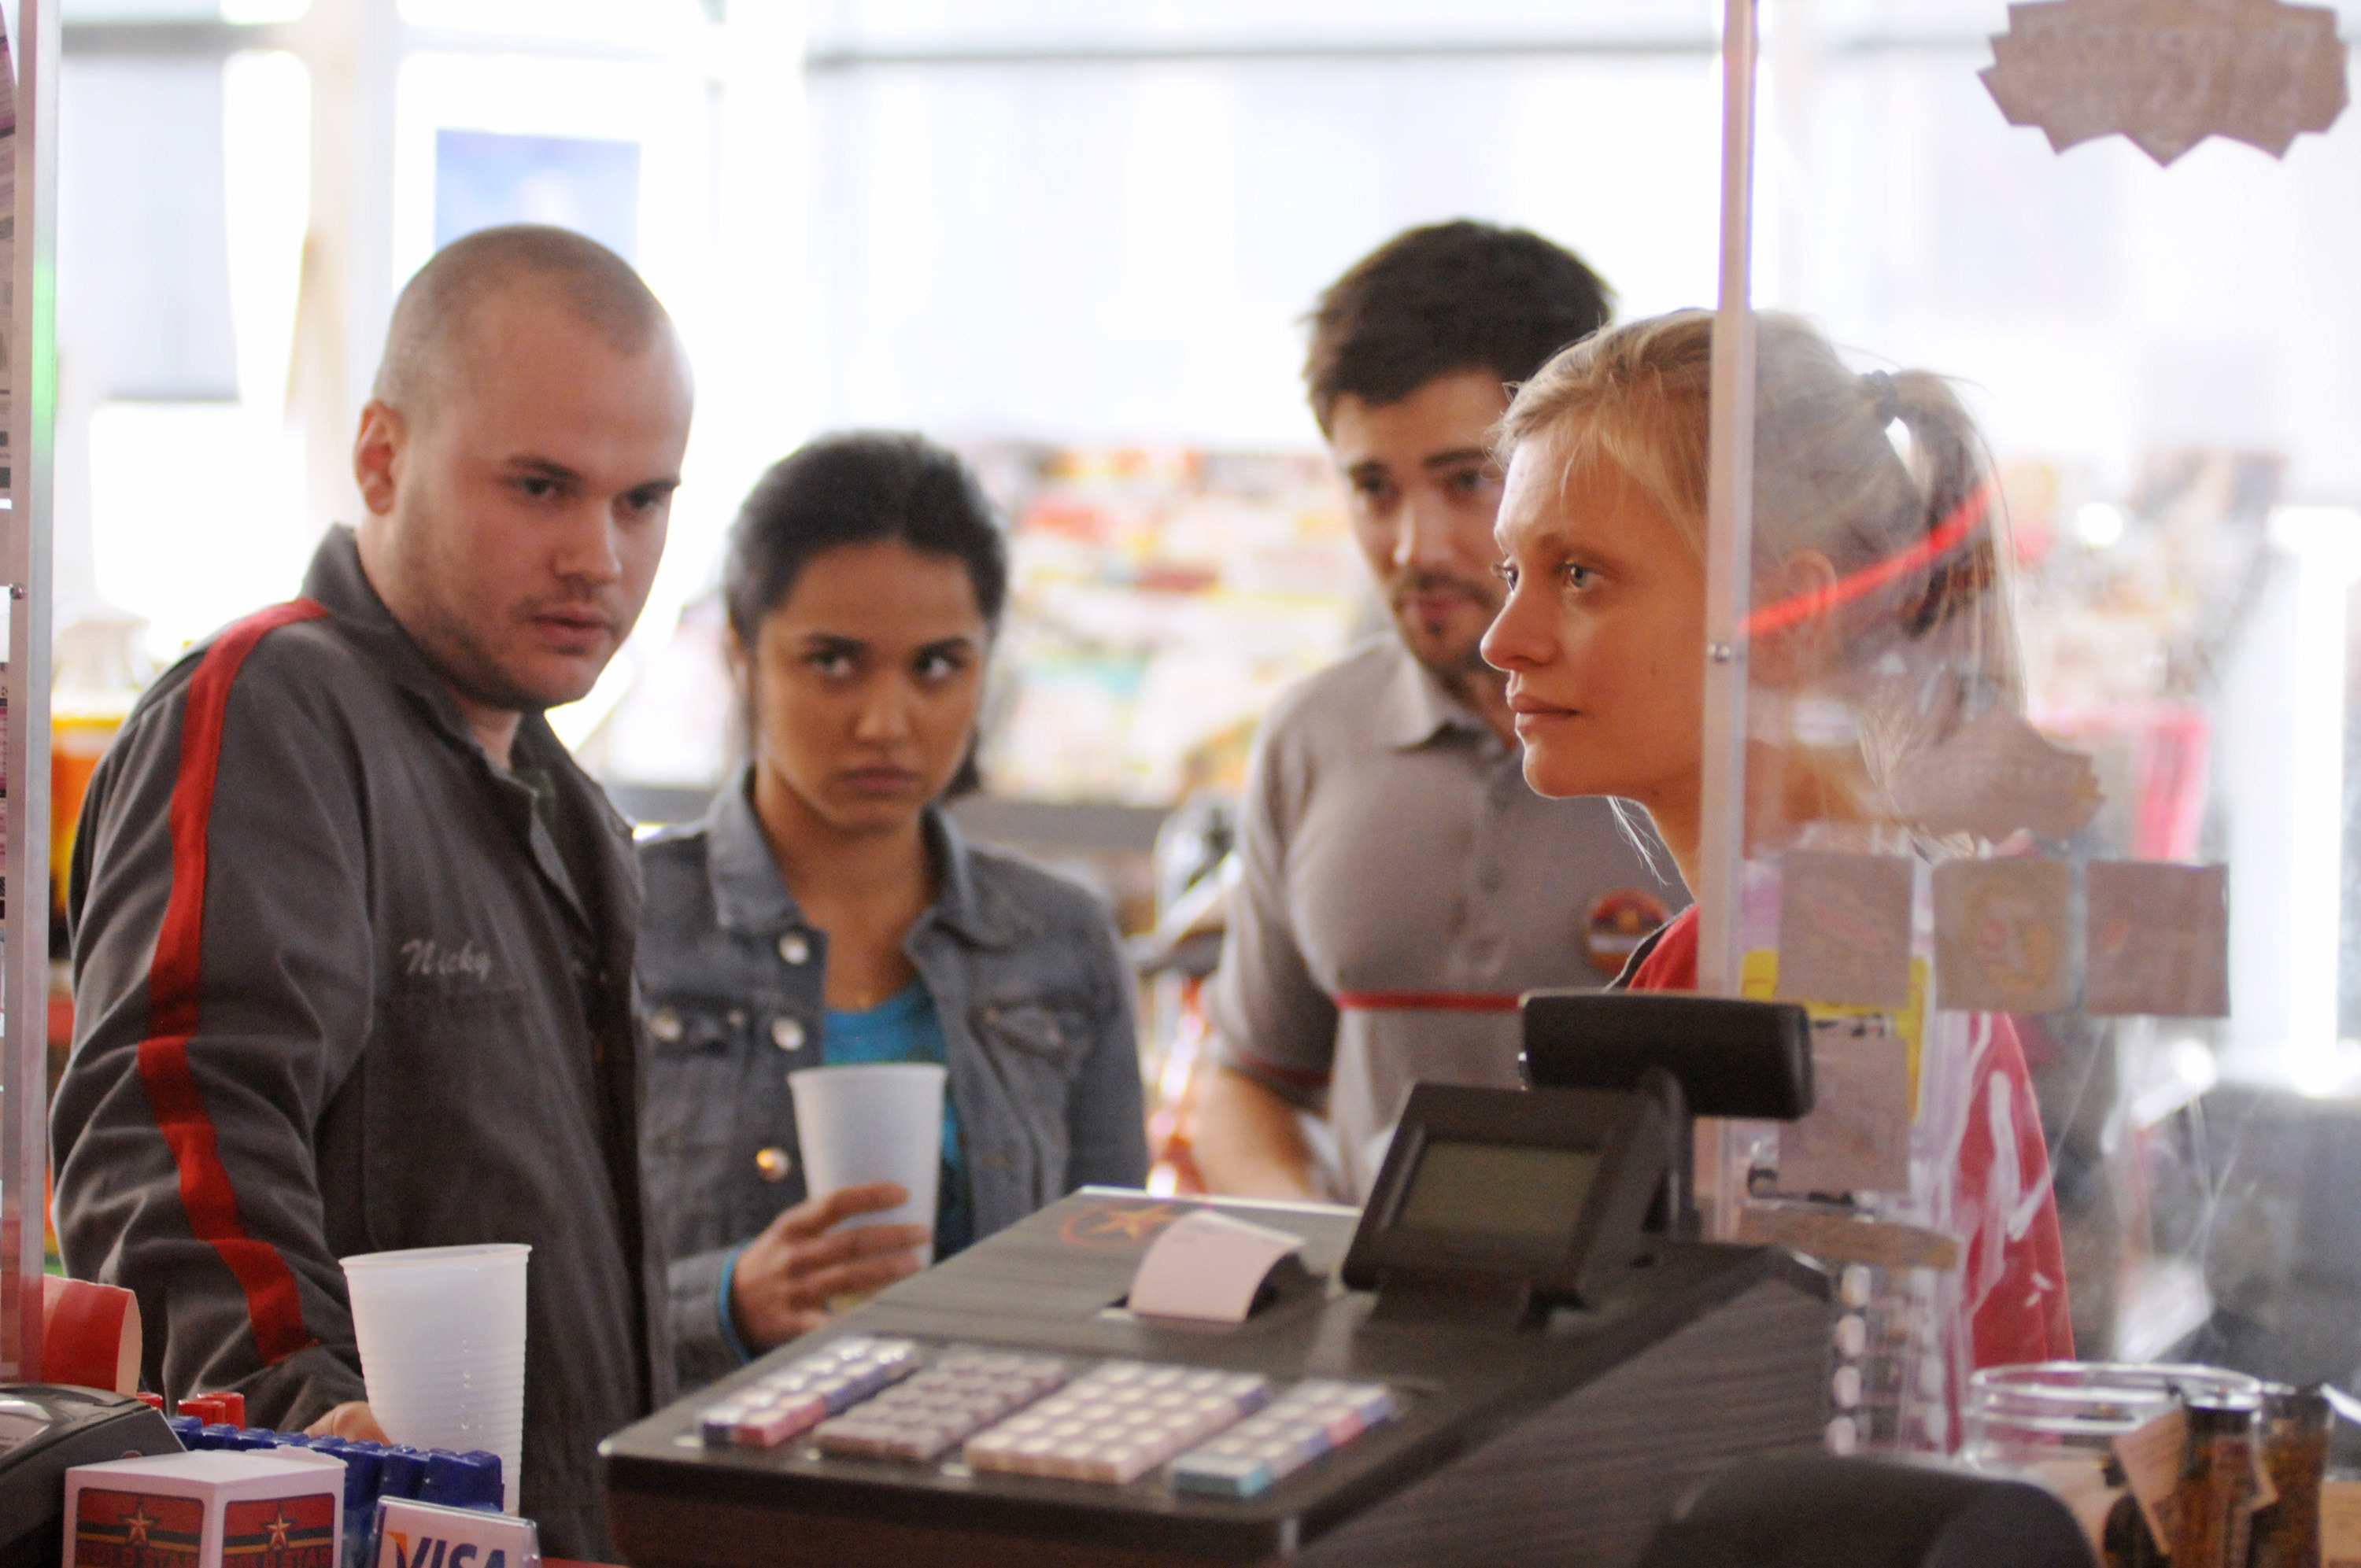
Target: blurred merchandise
[97,671]
[2128,611]
[2134,600]
[676,726]
[1158,601]
[1194,870]
[2067,1425]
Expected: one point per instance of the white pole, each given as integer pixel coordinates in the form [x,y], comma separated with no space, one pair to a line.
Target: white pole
[1729,523]
[31,371]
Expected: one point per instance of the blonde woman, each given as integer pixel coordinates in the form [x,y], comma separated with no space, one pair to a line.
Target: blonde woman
[1897,634]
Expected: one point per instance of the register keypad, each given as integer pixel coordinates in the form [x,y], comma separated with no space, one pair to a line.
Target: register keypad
[1315,1417]
[1123,1421]
[1029,1415]
[962,1393]
[785,1403]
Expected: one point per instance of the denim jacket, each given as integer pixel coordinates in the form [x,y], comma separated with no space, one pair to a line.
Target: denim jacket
[1035,1005]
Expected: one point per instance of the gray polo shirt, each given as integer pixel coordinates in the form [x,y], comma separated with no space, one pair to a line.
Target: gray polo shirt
[1401,885]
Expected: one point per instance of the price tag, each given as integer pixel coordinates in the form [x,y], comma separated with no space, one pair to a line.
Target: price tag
[2152,1461]
[2340,1525]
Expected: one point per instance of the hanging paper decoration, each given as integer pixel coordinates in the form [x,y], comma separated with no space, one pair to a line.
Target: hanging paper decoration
[2168,73]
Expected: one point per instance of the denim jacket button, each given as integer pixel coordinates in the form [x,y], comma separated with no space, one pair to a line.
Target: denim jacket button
[664,1025]
[786,1034]
[793,949]
[773,1163]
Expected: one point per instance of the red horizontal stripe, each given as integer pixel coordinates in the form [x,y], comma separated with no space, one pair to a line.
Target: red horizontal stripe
[1427,1000]
[1295,1077]
[1939,541]
[175,993]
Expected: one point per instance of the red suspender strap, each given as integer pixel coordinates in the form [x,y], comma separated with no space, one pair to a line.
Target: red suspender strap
[1427,1000]
[175,987]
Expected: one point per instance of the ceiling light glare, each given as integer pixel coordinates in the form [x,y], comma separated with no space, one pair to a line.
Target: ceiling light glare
[2099,524]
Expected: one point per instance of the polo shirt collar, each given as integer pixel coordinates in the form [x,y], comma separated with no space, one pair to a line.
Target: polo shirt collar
[1417,707]
[749,896]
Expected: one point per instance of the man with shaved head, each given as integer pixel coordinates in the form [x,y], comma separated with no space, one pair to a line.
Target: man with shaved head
[352,934]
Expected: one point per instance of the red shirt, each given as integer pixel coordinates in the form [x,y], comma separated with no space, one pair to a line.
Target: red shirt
[2015,1275]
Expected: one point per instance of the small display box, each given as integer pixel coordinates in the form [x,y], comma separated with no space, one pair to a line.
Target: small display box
[282,1508]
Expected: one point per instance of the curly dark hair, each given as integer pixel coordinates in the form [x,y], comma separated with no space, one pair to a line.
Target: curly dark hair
[1449,297]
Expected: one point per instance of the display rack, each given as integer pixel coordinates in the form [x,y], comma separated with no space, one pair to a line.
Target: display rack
[29,366]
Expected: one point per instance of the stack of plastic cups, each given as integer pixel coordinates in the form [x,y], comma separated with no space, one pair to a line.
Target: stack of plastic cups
[442,1334]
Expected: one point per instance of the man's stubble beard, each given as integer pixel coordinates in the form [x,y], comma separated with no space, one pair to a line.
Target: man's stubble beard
[1458,667]
[460,658]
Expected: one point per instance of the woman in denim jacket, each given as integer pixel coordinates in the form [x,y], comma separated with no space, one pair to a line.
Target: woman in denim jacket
[826,910]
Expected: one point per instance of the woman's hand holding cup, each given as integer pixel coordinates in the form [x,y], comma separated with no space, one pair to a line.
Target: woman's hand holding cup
[787,1276]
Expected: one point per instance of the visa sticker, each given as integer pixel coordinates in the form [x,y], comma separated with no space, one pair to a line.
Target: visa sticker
[427,1535]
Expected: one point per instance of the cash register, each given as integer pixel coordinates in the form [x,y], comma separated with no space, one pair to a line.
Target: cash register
[1513,1355]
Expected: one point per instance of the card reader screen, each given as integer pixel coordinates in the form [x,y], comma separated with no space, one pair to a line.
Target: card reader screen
[1502,1189]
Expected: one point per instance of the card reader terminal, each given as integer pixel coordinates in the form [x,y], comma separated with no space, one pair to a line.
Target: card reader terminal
[1523,1201]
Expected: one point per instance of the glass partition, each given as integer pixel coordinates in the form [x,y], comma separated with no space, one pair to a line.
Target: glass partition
[2029,724]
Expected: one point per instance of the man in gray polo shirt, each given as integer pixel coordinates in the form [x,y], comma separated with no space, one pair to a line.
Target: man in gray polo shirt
[1402,883]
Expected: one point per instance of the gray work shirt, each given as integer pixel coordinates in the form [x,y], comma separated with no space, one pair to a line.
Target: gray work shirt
[1402,884]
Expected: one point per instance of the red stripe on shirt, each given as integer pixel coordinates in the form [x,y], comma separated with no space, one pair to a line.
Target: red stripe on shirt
[1427,1000]
[175,990]
[1294,1076]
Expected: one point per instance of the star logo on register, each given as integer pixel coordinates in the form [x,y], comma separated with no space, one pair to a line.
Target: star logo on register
[278,1527]
[136,1525]
[1118,1225]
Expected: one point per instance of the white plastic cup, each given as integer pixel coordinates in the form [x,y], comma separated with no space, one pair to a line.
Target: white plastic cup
[873,1122]
[442,1340]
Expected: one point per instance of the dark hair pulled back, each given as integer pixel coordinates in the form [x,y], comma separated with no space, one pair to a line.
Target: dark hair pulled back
[860,488]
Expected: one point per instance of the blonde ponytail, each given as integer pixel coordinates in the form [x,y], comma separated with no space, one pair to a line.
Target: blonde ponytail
[1911,530]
